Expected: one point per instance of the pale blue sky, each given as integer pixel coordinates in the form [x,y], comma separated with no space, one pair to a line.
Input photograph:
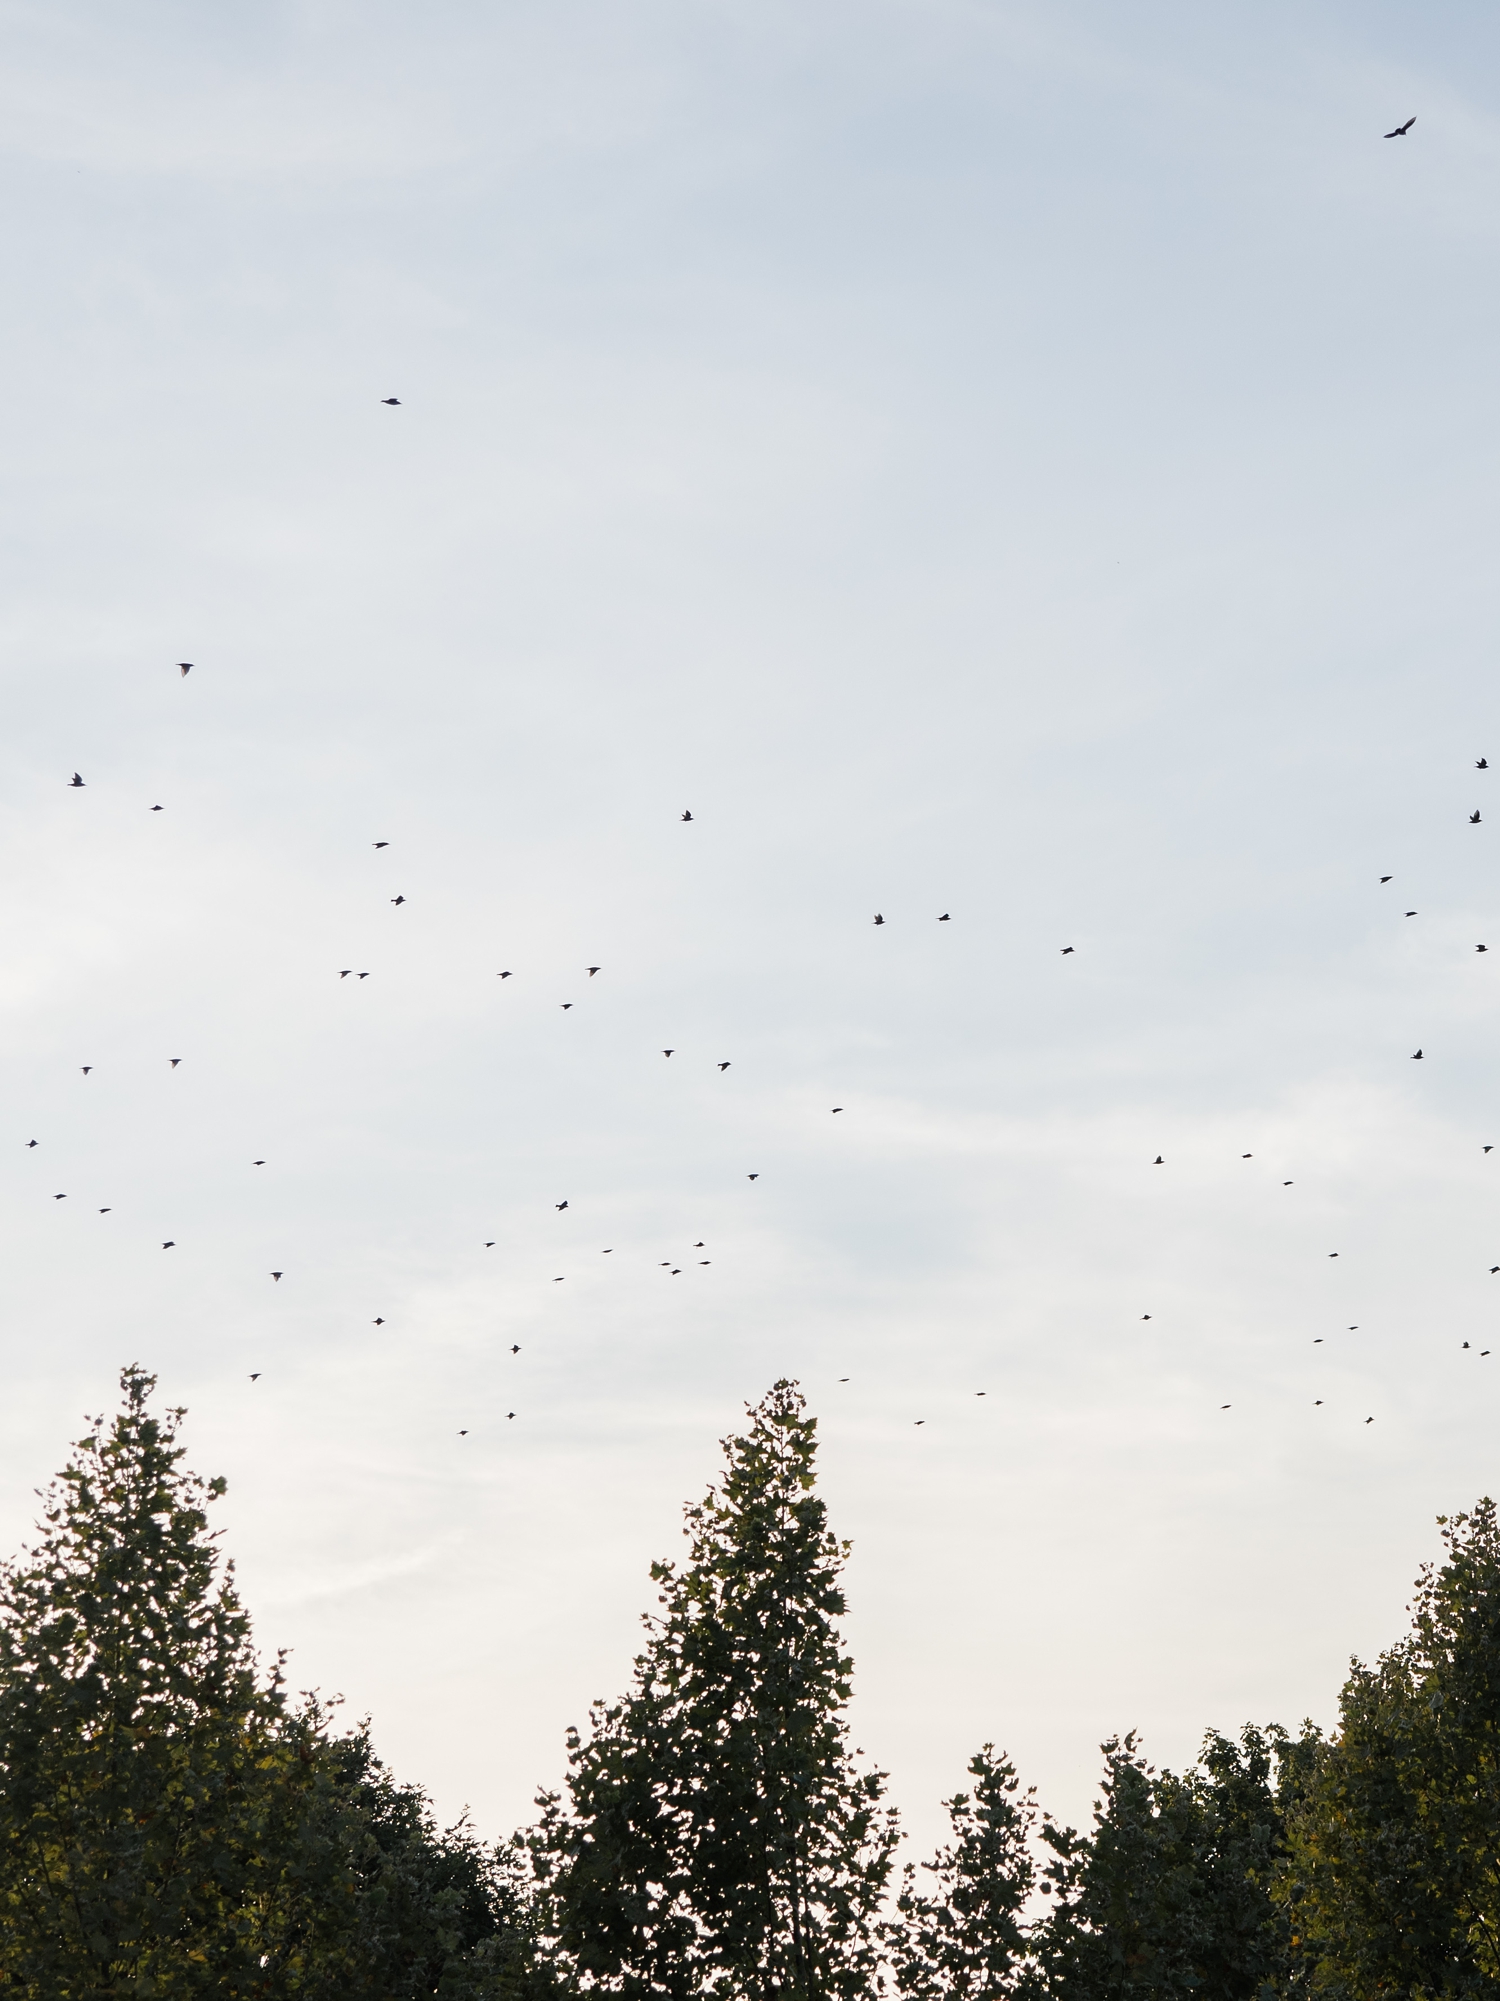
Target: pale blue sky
[1033,462]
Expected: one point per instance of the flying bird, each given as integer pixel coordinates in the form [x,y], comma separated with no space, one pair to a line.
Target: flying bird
[32,1142]
[1387,878]
[1316,1402]
[380,844]
[170,1244]
[838,1108]
[503,976]
[257,1163]
[1225,1406]
[393,400]
[489,1243]
[752,1177]
[666,1052]
[344,974]
[104,1212]
[276,1274]
[1401,130]
[1333,1254]
[156,809]
[1482,764]
[878,918]
[174,1061]
[59,1198]
[1411,913]
[1247,1156]
[255,1375]
[1481,948]
[1473,822]
[86,1068]
[723,1066]
[75,779]
[1158,1162]
[463,1434]
[944,919]
[687,816]
[1369,1420]
[510,1413]
[377,1322]
[559,1205]
[398,899]
[1416,1056]
[1286,1184]
[565,1005]
[558,1281]
[591,970]
[1145,1316]
[515,1348]
[184,668]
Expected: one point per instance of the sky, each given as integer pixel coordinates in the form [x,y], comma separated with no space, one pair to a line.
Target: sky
[1030,462]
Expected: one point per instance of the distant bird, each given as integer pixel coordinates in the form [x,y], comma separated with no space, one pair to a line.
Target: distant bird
[1145,1316]
[1354,1329]
[666,1052]
[344,974]
[377,1322]
[723,1066]
[700,1246]
[1481,948]
[592,970]
[395,401]
[1369,1420]
[1466,1344]
[170,1244]
[565,1005]
[1247,1156]
[463,1434]
[174,1061]
[75,779]
[944,919]
[503,976]
[156,809]
[1286,1184]
[1494,1269]
[32,1142]
[398,899]
[559,1205]
[276,1274]
[1411,913]
[843,1379]
[1401,130]
[1158,1162]
[1333,1254]
[1473,819]
[1066,950]
[919,1420]
[59,1198]
[558,1281]
[687,816]
[1225,1406]
[705,1261]
[255,1375]
[1387,878]
[184,667]
[380,844]
[752,1177]
[489,1243]
[981,1393]
[104,1212]
[510,1413]
[1482,764]
[878,918]
[838,1108]
[1416,1056]
[257,1163]
[1317,1340]
[86,1068]
[608,1253]
[1316,1402]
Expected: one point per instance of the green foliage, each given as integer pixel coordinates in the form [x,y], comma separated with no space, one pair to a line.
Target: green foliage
[1170,1894]
[1393,1879]
[967,1935]
[717,1839]
[169,1825]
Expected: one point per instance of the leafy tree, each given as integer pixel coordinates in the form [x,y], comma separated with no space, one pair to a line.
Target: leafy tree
[169,1824]
[1393,1876]
[1170,1894]
[968,1936]
[717,1839]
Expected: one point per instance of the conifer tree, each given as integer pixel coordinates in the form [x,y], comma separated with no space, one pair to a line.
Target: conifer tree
[717,1838]
[966,1935]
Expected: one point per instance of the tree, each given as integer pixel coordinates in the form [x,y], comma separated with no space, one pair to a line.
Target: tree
[717,1839]
[169,1824]
[1171,1894]
[968,1937]
[1393,1875]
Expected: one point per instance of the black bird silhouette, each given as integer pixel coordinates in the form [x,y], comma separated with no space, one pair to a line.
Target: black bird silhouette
[1158,1162]
[945,919]
[1401,130]
[398,899]
[1411,913]
[463,1434]
[723,1066]
[510,1413]
[1369,1420]
[156,809]
[919,1420]
[752,1177]
[565,1005]
[1473,819]
[489,1243]
[396,400]
[1387,878]
[255,1375]
[174,1061]
[257,1163]
[838,1108]
[1286,1184]
[1481,764]
[1316,1402]
[345,972]
[380,844]
[687,816]
[170,1244]
[558,1281]
[86,1068]
[75,779]
[515,1348]
[592,970]
[666,1052]
[559,1205]
[1416,1056]
[700,1246]
[503,976]
[276,1274]
[1145,1316]
[1225,1406]
[59,1198]
[185,667]
[1066,950]
[1247,1156]
[32,1142]
[377,1322]
[1333,1254]
[878,918]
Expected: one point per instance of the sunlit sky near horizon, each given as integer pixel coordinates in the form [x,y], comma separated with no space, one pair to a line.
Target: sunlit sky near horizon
[1031,462]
